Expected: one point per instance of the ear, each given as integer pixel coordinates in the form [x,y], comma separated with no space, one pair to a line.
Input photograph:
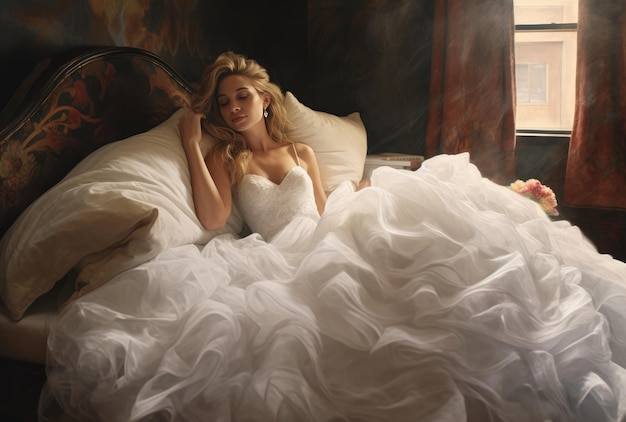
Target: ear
[266,100]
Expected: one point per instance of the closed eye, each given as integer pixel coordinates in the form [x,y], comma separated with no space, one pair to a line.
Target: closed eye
[242,95]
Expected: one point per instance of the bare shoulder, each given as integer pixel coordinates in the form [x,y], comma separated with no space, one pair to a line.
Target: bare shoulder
[305,151]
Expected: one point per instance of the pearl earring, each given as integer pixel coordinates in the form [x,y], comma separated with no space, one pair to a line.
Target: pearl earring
[265,113]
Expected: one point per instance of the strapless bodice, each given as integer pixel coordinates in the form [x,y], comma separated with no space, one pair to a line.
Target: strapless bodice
[267,207]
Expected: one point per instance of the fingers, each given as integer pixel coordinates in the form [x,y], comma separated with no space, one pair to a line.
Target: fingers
[189,127]
[190,117]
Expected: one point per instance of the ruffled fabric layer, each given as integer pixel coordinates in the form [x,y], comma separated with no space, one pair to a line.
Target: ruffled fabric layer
[433,295]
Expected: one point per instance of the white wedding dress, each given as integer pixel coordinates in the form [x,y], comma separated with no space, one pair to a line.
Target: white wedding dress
[433,295]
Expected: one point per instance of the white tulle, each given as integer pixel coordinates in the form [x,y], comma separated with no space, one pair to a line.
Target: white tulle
[433,295]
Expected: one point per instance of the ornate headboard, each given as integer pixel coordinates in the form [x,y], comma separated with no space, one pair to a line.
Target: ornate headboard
[101,95]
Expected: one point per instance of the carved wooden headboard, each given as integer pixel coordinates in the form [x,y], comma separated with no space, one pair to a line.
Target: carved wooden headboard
[101,95]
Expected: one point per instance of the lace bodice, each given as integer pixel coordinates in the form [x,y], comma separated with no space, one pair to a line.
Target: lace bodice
[267,207]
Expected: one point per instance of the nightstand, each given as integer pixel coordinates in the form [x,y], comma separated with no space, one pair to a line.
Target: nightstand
[395,160]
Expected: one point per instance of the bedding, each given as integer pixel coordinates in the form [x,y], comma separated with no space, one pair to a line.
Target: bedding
[119,207]
[432,295]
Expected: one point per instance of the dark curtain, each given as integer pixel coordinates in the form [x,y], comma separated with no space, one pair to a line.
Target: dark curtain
[472,95]
[596,165]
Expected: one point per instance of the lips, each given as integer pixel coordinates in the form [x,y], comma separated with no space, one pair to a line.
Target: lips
[237,119]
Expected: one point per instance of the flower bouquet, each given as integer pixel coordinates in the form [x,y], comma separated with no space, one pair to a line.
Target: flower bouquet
[543,195]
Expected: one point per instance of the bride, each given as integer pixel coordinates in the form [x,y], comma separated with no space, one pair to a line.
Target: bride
[236,101]
[433,295]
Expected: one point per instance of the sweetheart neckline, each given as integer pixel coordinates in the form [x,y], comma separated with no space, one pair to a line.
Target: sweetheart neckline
[291,170]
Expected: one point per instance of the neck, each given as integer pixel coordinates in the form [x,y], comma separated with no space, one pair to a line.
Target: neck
[259,141]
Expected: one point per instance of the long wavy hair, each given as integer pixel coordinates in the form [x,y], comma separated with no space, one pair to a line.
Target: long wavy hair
[231,145]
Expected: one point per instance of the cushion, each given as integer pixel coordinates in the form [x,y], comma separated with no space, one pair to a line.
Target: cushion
[119,207]
[339,142]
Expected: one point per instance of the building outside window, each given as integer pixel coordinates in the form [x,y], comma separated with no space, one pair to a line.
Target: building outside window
[545,70]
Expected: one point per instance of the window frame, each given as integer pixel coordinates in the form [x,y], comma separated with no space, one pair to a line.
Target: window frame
[543,27]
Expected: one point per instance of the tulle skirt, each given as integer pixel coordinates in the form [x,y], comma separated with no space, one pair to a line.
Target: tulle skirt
[433,295]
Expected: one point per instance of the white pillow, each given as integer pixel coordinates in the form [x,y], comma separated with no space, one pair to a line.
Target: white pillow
[339,142]
[119,207]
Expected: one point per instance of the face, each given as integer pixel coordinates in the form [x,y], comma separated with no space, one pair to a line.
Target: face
[240,104]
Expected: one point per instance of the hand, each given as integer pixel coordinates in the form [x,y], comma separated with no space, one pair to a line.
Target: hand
[190,128]
[363,184]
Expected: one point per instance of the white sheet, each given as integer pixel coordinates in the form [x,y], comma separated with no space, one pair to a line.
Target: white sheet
[434,295]
[25,340]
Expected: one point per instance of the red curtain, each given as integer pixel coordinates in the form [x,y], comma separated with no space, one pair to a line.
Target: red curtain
[596,165]
[472,91]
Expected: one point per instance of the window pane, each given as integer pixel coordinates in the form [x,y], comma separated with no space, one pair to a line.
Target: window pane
[538,82]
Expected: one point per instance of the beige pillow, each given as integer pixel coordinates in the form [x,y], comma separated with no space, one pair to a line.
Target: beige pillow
[339,142]
[119,207]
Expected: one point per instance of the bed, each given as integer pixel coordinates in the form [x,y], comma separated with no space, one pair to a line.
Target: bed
[97,220]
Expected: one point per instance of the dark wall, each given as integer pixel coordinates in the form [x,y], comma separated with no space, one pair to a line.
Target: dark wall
[338,56]
[188,34]
[374,57]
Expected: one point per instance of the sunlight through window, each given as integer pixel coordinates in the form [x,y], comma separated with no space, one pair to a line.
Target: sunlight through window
[545,70]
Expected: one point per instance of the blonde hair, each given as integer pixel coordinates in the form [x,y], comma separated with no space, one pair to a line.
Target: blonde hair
[230,145]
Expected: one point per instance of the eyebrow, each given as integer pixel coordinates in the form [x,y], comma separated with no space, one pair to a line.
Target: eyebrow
[238,89]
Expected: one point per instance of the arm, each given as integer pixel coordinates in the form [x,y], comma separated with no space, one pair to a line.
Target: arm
[306,154]
[210,181]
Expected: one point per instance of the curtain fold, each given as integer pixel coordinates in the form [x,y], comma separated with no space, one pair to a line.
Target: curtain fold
[596,165]
[472,90]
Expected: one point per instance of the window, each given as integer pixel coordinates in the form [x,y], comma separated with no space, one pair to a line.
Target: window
[545,70]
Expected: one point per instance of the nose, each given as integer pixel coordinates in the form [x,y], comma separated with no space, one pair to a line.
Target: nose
[236,108]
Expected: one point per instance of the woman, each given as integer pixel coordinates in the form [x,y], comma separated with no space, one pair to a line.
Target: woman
[245,113]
